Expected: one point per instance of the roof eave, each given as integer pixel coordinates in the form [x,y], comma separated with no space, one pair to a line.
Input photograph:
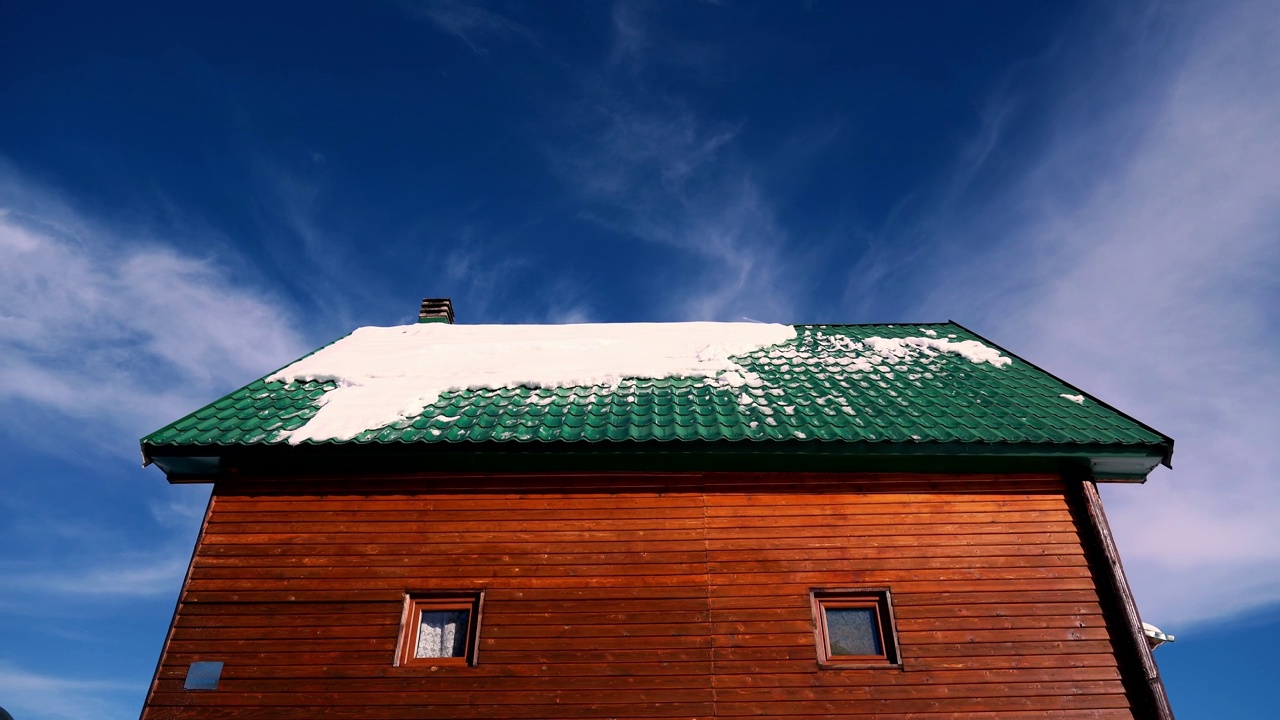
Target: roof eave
[1109,463]
[1166,456]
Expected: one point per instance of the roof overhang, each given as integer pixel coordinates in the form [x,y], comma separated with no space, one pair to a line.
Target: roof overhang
[210,462]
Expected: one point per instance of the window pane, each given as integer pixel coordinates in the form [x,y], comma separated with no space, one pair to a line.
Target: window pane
[853,631]
[442,633]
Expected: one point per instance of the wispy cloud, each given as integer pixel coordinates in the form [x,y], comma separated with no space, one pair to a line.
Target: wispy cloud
[648,167]
[131,575]
[471,22]
[664,176]
[34,696]
[1137,257]
[96,326]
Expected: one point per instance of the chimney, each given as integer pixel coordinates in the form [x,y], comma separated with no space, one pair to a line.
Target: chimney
[436,310]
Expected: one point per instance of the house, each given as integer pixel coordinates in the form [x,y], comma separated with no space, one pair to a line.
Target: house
[656,520]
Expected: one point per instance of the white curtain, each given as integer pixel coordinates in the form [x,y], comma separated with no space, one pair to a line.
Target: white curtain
[442,633]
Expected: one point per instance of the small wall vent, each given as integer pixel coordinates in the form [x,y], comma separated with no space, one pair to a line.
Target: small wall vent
[203,675]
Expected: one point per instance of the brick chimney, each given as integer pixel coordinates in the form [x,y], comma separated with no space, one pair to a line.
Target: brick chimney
[436,310]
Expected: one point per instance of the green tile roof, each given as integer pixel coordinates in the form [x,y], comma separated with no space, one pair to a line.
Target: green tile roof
[810,391]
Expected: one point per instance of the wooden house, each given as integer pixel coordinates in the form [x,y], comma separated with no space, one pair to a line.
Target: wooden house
[635,521]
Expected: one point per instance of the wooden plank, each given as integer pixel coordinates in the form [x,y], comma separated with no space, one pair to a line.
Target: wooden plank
[825,708]
[416,497]
[464,513]
[844,505]
[446,556]
[856,561]
[495,570]
[855,519]
[1004,680]
[993,537]
[478,711]
[974,610]
[1135,638]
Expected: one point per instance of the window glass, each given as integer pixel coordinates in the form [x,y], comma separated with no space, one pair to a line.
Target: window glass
[854,631]
[442,633]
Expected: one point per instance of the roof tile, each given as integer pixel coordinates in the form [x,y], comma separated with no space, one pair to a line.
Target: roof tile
[814,387]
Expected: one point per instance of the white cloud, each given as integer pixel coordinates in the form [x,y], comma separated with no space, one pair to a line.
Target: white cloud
[33,696]
[118,333]
[1156,289]
[135,575]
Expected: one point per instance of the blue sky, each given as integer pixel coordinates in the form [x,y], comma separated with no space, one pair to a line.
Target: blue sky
[190,198]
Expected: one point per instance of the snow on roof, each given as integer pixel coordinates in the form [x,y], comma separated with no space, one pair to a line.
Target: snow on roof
[387,374]
[971,350]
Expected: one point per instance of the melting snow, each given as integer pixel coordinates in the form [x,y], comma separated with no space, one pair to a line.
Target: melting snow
[1077,399]
[971,350]
[388,374]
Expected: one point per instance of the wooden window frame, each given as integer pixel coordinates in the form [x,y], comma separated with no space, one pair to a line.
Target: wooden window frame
[878,599]
[417,602]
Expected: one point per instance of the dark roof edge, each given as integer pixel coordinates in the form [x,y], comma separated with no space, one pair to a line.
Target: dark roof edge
[1099,461]
[1167,457]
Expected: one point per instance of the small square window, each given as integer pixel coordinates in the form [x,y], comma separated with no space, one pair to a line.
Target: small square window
[854,628]
[440,629]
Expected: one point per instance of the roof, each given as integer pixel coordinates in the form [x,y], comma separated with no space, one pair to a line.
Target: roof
[827,385]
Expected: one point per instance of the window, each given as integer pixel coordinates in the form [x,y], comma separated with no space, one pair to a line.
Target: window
[854,628]
[440,629]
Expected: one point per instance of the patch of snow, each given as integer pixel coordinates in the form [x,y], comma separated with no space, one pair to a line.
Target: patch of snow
[971,350]
[732,379]
[800,435]
[1077,399]
[753,424]
[386,374]
[931,333]
[789,409]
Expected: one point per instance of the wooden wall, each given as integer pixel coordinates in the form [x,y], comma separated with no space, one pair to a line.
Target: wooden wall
[612,596]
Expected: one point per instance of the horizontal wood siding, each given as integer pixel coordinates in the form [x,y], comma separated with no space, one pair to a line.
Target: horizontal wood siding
[996,609]
[642,596]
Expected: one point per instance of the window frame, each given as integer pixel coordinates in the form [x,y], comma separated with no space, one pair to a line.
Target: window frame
[410,623]
[878,599]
